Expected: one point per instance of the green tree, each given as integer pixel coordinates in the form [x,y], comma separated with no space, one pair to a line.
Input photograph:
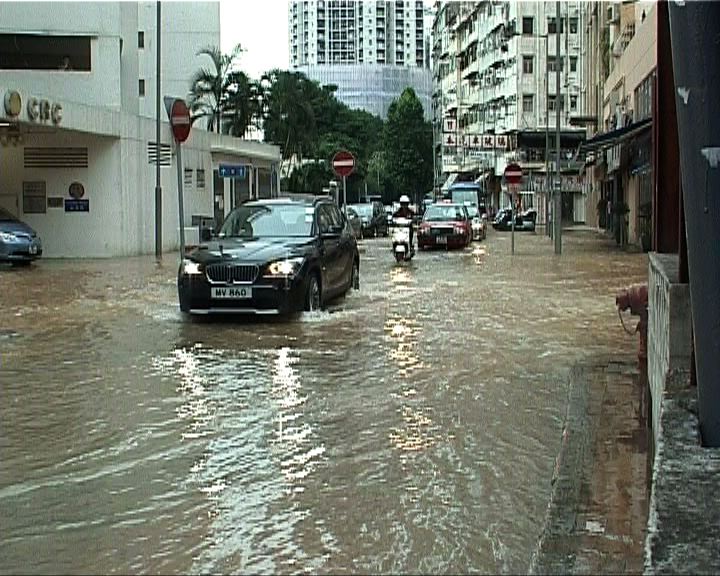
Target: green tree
[289,117]
[210,84]
[407,146]
[241,104]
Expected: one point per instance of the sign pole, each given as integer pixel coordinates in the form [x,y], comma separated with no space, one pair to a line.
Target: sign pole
[345,196]
[158,185]
[181,210]
[512,214]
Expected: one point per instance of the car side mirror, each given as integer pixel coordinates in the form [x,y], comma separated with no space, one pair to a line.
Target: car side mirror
[206,234]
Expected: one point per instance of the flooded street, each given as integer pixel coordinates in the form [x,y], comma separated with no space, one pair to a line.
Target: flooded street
[411,428]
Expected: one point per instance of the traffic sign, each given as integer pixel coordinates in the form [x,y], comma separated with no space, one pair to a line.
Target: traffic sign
[513,174]
[343,163]
[180,120]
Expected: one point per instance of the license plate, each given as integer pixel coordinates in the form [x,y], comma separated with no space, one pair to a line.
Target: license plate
[33,249]
[441,239]
[231,292]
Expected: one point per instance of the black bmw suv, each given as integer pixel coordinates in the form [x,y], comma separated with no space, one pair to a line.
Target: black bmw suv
[274,256]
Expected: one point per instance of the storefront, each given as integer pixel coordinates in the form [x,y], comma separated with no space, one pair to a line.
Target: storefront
[84,177]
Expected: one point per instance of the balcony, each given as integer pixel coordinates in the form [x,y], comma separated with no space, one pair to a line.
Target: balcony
[623,40]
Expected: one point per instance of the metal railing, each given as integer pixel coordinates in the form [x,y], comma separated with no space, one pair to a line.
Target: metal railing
[669,327]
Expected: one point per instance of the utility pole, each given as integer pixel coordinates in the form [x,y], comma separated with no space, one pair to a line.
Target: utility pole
[548,188]
[158,187]
[557,210]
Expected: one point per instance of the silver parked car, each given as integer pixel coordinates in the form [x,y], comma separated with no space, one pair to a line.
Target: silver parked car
[19,243]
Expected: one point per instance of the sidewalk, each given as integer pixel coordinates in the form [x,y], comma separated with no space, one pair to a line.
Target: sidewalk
[597,517]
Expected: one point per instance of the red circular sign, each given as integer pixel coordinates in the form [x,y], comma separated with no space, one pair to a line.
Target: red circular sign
[180,120]
[513,174]
[343,163]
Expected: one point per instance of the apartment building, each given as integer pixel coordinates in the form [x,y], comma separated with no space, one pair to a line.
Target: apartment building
[78,144]
[371,50]
[496,96]
[621,65]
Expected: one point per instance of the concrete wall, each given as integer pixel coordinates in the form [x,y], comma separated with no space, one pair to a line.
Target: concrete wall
[669,327]
[186,28]
[117,62]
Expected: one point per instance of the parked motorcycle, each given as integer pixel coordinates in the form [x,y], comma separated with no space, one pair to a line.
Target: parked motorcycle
[402,249]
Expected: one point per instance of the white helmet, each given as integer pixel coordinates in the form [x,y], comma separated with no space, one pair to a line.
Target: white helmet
[404,199]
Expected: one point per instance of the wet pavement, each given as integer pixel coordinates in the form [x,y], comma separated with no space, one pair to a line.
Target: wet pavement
[412,427]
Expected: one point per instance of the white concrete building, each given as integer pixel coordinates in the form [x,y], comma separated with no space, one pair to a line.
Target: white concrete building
[494,75]
[371,50]
[78,130]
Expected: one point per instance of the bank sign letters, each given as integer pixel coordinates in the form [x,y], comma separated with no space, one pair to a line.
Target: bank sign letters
[39,110]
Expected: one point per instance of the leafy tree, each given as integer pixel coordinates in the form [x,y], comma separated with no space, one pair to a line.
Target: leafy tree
[241,104]
[209,86]
[407,146]
[289,116]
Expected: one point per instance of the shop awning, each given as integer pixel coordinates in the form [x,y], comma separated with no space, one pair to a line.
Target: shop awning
[608,139]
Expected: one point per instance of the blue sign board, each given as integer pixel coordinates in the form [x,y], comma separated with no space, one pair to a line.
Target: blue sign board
[77,205]
[232,171]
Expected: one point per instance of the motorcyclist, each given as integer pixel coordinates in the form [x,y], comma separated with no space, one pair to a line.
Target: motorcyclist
[405,212]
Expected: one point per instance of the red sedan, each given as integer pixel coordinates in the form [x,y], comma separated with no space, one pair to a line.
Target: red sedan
[445,225]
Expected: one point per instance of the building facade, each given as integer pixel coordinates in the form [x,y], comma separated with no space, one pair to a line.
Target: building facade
[618,153]
[78,150]
[496,96]
[371,50]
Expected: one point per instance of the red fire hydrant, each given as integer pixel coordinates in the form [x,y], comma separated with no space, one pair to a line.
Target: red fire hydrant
[635,299]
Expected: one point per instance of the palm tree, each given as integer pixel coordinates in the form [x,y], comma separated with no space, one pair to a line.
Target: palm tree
[290,121]
[241,104]
[209,86]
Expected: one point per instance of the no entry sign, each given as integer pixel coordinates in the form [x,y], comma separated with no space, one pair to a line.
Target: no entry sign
[513,174]
[343,163]
[180,120]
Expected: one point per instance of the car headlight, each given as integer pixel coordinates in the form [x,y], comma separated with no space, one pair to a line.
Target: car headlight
[190,267]
[287,267]
[8,237]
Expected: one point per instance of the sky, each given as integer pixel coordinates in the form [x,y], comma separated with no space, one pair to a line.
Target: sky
[261,28]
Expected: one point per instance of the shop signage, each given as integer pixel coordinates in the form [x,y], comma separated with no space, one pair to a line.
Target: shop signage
[13,103]
[38,109]
[231,170]
[77,205]
[41,110]
[76,190]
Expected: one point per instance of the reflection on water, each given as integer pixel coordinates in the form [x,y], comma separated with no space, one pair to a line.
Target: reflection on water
[411,427]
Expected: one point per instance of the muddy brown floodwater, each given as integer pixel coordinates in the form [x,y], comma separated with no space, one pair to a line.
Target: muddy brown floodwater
[412,427]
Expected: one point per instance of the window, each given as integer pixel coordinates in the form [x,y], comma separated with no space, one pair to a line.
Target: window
[141,87]
[527,64]
[552,26]
[141,39]
[200,177]
[44,52]
[552,100]
[573,25]
[554,63]
[527,25]
[528,104]
[573,63]
[573,102]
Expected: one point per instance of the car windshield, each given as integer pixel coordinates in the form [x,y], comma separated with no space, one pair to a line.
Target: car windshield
[269,221]
[5,216]
[440,213]
[473,211]
[364,210]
